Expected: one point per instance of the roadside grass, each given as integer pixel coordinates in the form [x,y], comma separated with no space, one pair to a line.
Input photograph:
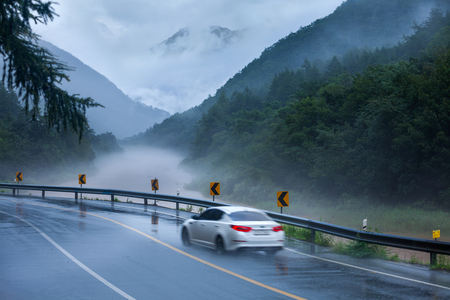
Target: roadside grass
[396,219]
[415,261]
[359,249]
[412,220]
[188,208]
[443,262]
[100,199]
[304,234]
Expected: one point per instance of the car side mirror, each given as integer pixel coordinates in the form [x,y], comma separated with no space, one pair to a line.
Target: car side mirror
[195,217]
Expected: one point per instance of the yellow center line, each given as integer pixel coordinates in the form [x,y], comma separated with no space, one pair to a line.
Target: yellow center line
[177,250]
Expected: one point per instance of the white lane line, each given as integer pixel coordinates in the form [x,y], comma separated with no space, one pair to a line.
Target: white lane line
[369,270]
[332,261]
[84,267]
[344,264]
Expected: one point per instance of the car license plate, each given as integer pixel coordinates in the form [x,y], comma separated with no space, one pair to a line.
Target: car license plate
[260,232]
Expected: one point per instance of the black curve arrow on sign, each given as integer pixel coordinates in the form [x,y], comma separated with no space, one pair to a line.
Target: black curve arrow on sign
[82,180]
[19,176]
[281,199]
[213,188]
[155,182]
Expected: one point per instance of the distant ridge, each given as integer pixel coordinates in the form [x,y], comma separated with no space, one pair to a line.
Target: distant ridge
[212,38]
[354,24]
[121,115]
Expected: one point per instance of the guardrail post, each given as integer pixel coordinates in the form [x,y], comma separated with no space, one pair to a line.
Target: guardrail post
[112,198]
[178,206]
[145,201]
[14,192]
[313,236]
[154,202]
[433,259]
[43,194]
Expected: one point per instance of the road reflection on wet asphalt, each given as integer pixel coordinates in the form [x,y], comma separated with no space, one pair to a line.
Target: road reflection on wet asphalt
[137,249]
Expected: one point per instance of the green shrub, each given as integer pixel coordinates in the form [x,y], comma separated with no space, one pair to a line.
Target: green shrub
[443,262]
[304,234]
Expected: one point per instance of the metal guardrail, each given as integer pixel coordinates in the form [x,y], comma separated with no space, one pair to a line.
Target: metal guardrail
[396,241]
[112,193]
[433,247]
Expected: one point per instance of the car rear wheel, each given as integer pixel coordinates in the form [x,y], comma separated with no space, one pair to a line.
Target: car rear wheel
[185,237]
[220,247]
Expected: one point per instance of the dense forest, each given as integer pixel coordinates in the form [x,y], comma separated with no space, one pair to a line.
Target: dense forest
[354,24]
[372,124]
[44,155]
[44,132]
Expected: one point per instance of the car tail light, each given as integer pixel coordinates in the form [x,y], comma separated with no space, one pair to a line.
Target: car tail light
[241,228]
[277,228]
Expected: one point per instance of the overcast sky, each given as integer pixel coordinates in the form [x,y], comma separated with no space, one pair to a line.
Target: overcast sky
[114,37]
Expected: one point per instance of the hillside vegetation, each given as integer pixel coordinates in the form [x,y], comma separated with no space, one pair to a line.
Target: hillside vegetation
[45,156]
[355,24]
[120,115]
[336,136]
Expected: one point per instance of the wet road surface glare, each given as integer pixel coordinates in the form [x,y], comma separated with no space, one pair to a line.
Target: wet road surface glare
[57,248]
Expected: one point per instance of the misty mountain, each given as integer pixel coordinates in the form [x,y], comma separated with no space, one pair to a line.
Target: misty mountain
[355,24]
[213,38]
[332,136]
[121,115]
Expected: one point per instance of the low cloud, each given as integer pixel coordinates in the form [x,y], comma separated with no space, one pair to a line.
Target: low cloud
[115,37]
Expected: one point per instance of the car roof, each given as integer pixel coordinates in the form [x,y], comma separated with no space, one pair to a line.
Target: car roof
[234,208]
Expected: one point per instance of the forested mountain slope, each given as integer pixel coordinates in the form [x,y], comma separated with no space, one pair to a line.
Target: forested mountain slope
[43,154]
[121,115]
[355,24]
[381,134]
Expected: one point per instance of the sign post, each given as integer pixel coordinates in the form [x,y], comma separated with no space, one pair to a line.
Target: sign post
[19,177]
[436,234]
[214,189]
[81,181]
[433,256]
[155,187]
[282,200]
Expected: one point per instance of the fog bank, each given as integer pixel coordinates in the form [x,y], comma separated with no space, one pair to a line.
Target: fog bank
[134,169]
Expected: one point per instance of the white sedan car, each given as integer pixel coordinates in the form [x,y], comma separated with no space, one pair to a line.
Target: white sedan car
[230,228]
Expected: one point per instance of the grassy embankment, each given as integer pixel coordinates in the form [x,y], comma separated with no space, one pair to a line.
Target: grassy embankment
[403,220]
[359,249]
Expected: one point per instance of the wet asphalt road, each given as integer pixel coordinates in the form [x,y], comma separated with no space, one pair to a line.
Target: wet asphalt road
[59,249]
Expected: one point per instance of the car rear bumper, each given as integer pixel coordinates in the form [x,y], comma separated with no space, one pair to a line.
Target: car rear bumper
[272,248]
[255,245]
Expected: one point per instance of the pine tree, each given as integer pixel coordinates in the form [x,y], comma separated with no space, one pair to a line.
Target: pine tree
[33,71]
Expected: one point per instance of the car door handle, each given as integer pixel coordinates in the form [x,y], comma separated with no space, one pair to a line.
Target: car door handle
[203,224]
[217,225]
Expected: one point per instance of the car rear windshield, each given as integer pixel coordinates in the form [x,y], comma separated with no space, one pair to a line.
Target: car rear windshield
[249,216]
